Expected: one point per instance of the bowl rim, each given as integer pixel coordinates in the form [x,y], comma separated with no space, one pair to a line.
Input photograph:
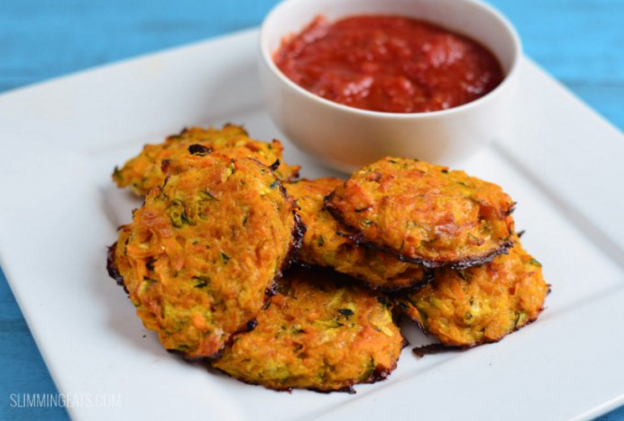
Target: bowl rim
[267,59]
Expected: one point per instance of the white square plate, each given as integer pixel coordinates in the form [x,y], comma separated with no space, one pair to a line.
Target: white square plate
[59,142]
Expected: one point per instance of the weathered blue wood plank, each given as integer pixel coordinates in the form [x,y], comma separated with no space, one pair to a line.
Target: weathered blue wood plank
[45,39]
[576,40]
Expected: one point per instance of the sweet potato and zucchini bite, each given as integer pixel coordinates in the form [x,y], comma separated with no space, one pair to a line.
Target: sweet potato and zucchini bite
[326,243]
[482,304]
[424,213]
[318,332]
[147,170]
[201,254]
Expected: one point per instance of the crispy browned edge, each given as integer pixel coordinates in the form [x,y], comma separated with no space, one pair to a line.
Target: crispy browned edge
[431,349]
[428,274]
[463,263]
[428,277]
[299,230]
[439,348]
[113,272]
[376,376]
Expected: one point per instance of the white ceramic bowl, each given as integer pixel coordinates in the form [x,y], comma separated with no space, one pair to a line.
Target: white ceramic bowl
[347,138]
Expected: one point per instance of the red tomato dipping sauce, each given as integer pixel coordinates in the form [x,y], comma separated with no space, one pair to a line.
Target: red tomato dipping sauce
[388,63]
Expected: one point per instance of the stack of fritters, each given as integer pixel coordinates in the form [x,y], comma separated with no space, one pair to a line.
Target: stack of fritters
[484,284]
[328,244]
[222,219]
[203,258]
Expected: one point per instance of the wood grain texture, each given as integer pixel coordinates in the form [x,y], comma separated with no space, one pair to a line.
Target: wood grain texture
[578,41]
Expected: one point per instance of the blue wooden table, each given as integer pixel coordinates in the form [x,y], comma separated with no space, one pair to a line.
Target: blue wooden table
[578,41]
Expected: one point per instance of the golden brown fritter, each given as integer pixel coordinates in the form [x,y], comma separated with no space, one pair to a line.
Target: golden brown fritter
[203,251]
[425,214]
[316,334]
[145,171]
[481,304]
[325,243]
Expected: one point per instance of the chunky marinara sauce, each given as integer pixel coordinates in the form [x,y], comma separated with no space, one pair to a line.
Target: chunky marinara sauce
[389,63]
